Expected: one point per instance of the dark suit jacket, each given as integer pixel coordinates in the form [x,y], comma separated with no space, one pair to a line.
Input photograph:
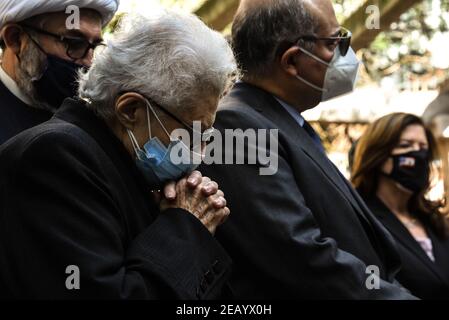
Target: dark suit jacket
[70,194]
[303,232]
[16,115]
[423,277]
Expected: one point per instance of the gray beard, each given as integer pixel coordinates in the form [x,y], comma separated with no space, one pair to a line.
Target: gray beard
[32,64]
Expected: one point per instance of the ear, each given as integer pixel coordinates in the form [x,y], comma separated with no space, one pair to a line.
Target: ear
[13,37]
[127,108]
[289,61]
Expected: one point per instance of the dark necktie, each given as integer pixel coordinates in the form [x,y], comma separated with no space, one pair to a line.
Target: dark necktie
[311,132]
[316,139]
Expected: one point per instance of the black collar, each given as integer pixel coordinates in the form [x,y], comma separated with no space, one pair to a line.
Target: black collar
[8,99]
[77,113]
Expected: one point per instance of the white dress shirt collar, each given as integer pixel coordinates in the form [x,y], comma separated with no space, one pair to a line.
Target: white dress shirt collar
[12,86]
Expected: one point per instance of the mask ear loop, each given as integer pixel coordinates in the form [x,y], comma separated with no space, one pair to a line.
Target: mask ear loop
[133,139]
[159,120]
[311,84]
[149,124]
[315,57]
[319,60]
[134,142]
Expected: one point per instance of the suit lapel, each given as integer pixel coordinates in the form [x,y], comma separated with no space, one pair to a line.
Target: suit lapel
[440,251]
[327,167]
[270,108]
[265,103]
[402,235]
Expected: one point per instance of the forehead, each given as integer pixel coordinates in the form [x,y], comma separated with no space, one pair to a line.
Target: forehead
[323,13]
[90,23]
[204,111]
[414,132]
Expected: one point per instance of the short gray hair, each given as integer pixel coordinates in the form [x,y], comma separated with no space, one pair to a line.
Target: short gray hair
[170,57]
[259,31]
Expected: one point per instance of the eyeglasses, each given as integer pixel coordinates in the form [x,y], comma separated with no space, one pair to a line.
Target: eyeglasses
[343,40]
[206,135]
[77,48]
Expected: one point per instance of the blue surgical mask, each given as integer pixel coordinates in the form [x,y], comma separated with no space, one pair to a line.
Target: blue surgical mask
[341,74]
[161,163]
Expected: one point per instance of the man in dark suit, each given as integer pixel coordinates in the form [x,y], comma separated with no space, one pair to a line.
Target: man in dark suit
[77,217]
[302,232]
[41,52]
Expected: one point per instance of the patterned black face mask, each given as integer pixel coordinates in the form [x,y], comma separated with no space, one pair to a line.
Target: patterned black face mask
[411,170]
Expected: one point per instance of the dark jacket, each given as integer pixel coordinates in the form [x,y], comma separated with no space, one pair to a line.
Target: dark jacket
[16,115]
[303,232]
[71,195]
[423,277]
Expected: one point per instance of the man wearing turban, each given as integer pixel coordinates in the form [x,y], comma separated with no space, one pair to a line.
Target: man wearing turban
[43,45]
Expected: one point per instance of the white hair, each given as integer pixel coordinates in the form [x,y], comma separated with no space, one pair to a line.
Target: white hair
[170,57]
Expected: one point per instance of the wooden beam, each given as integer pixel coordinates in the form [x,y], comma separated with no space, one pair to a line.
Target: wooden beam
[217,14]
[390,11]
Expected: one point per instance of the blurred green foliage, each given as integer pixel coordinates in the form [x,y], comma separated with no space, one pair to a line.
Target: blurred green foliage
[406,51]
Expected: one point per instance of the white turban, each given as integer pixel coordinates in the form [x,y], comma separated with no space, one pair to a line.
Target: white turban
[19,10]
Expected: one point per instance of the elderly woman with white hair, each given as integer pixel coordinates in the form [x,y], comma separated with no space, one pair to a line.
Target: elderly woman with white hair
[80,211]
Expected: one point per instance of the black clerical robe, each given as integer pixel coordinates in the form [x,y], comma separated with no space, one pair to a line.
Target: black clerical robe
[16,115]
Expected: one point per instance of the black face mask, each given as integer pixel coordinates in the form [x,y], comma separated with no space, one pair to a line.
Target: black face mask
[58,81]
[411,170]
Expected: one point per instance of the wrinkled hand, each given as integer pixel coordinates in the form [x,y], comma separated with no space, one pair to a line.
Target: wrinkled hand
[193,181]
[200,196]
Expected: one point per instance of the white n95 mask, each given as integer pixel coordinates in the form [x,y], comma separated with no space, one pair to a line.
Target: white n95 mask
[341,75]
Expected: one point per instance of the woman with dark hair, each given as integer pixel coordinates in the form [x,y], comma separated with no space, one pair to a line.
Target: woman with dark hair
[394,163]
